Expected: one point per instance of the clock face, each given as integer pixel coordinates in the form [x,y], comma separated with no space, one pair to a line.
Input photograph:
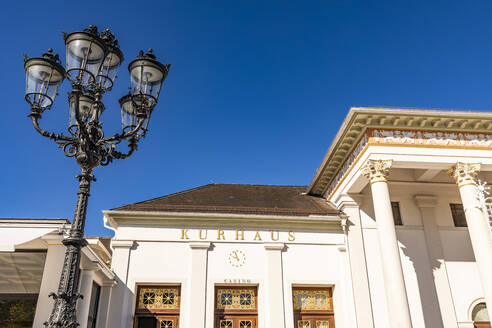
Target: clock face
[237,258]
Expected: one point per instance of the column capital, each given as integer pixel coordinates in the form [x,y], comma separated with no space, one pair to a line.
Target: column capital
[464,173]
[274,246]
[377,170]
[199,245]
[115,243]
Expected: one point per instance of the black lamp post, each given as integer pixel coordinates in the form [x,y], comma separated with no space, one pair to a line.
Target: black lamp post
[92,61]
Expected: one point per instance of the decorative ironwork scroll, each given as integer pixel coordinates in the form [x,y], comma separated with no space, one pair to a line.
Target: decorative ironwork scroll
[236,299]
[154,298]
[311,299]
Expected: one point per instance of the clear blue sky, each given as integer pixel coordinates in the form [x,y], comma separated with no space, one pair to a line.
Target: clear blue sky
[256,92]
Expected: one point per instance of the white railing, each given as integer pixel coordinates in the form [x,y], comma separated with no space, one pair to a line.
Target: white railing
[485,200]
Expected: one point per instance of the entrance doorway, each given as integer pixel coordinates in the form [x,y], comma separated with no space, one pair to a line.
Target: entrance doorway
[236,307]
[157,307]
[313,307]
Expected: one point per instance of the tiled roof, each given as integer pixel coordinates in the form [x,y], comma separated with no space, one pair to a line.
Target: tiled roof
[239,199]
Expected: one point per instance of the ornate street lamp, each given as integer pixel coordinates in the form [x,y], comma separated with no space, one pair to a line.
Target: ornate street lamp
[92,61]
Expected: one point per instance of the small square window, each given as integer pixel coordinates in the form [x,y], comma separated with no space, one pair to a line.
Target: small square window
[245,299]
[226,299]
[395,207]
[225,324]
[167,324]
[148,298]
[458,215]
[245,324]
[168,298]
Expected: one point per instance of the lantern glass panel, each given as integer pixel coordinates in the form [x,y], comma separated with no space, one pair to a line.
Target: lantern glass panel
[84,58]
[42,82]
[146,81]
[86,108]
[109,68]
[128,114]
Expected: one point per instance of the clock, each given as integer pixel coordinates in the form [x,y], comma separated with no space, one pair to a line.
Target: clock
[236,258]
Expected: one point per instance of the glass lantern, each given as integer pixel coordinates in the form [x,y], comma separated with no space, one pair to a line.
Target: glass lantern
[43,77]
[86,110]
[147,76]
[85,55]
[112,61]
[129,116]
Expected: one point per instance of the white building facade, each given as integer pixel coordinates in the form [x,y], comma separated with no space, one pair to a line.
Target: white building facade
[393,231]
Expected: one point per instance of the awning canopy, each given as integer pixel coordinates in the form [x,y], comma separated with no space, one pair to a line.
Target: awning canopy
[12,237]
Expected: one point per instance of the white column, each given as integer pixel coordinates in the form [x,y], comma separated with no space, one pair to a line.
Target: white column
[85,289]
[357,260]
[426,204]
[120,314]
[465,176]
[396,295]
[274,286]
[198,283]
[51,277]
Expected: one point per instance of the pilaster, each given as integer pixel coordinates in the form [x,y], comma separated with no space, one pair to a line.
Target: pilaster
[198,283]
[427,204]
[85,289]
[350,205]
[120,312]
[51,276]
[274,286]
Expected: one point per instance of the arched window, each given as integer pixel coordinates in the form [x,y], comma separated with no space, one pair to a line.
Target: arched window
[480,316]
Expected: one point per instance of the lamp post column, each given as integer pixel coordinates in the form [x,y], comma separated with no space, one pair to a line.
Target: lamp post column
[396,295]
[64,310]
[465,176]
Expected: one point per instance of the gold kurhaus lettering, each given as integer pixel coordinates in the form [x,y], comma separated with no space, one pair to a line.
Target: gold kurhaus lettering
[239,232]
[220,234]
[200,234]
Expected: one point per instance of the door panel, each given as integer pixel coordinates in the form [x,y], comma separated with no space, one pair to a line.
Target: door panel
[318,321]
[167,322]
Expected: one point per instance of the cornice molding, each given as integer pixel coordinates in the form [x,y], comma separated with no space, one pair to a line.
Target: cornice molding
[359,120]
[180,219]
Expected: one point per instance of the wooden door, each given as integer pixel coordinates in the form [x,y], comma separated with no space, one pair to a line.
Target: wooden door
[236,321]
[482,324]
[310,321]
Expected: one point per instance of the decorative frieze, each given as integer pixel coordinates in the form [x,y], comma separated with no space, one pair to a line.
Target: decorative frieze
[430,138]
[409,138]
[158,298]
[464,173]
[236,299]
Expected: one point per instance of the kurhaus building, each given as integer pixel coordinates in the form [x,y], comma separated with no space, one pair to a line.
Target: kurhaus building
[392,231]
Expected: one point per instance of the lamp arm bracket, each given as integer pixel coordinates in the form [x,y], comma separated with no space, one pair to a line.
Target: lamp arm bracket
[133,145]
[50,135]
[132,133]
